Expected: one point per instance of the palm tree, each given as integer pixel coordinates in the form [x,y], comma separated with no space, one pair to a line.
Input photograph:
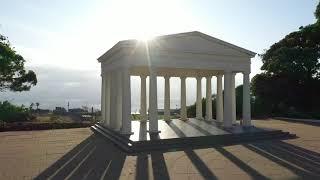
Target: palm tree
[37,104]
[31,106]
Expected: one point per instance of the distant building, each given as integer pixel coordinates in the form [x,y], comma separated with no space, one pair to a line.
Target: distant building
[60,110]
[77,110]
[40,111]
[172,111]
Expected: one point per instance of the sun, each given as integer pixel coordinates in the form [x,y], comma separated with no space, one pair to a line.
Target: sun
[145,37]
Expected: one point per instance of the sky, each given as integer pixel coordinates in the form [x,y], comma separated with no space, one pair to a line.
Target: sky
[61,40]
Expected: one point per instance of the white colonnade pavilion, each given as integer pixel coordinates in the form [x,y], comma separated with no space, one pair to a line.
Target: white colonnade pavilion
[184,55]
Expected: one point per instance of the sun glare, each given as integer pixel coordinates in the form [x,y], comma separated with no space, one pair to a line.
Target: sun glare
[145,19]
[145,37]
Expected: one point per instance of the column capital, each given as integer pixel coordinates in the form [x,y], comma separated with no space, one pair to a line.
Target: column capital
[219,75]
[166,77]
[183,77]
[143,76]
[208,77]
[246,72]
[199,77]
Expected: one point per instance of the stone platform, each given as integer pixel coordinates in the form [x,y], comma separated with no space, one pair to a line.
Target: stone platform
[177,134]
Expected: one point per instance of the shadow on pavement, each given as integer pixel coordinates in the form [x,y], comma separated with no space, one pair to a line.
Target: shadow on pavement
[304,163]
[94,158]
[98,158]
[242,165]
[200,165]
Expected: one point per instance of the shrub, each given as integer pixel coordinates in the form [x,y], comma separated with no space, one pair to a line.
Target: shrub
[12,113]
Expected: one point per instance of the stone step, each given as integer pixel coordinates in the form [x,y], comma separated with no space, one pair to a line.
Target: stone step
[215,138]
[114,133]
[200,143]
[125,144]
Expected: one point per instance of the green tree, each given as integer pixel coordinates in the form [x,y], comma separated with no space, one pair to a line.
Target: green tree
[291,77]
[191,110]
[11,113]
[317,12]
[13,75]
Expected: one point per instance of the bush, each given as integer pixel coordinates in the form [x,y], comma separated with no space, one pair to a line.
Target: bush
[12,113]
[29,126]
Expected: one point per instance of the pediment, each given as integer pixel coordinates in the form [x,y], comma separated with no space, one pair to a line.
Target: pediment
[197,42]
[189,42]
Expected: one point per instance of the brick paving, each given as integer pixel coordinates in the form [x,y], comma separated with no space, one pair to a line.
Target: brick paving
[79,154]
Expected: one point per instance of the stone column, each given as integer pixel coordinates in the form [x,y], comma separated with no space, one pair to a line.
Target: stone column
[227,113]
[126,102]
[233,92]
[143,98]
[209,99]
[199,99]
[119,101]
[183,111]
[167,98]
[103,86]
[246,111]
[107,99]
[153,103]
[113,100]
[219,102]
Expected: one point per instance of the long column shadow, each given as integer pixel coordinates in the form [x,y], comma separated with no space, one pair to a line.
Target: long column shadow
[176,129]
[200,165]
[94,158]
[249,170]
[200,129]
[142,168]
[302,162]
[159,167]
[194,158]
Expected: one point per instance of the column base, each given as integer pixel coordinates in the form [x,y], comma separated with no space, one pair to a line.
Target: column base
[184,119]
[116,129]
[227,127]
[200,118]
[247,126]
[153,132]
[126,133]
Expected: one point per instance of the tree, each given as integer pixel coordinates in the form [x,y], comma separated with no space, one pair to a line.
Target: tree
[11,113]
[317,13]
[31,106]
[13,75]
[191,110]
[291,77]
[37,104]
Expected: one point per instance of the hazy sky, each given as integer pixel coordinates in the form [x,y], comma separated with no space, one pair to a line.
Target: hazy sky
[61,40]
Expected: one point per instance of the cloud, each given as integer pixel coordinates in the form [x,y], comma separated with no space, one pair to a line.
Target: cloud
[57,86]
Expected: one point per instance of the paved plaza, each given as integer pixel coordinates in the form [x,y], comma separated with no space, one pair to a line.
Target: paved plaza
[79,154]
